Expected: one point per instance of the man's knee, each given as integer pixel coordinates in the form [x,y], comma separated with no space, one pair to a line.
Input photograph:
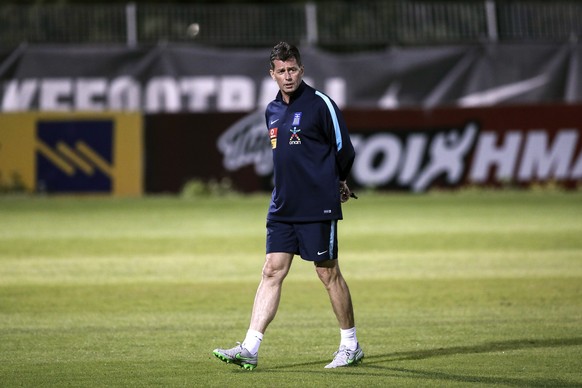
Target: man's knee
[276,266]
[328,271]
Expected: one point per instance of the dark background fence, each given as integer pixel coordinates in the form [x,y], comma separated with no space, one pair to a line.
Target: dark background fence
[336,26]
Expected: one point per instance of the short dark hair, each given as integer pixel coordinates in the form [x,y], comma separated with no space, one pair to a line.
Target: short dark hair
[284,51]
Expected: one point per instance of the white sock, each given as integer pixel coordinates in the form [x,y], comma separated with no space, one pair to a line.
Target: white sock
[252,341]
[348,338]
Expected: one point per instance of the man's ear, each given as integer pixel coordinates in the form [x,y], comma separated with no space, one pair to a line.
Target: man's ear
[272,73]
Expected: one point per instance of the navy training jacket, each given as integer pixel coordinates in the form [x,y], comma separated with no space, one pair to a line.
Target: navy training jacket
[312,152]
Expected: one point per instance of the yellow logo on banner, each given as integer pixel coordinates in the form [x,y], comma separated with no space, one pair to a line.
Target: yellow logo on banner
[67,159]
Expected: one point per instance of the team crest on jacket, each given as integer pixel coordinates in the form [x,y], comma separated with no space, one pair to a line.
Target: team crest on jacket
[297,118]
[295,139]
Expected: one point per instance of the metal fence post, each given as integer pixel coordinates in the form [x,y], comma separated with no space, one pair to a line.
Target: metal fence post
[311,23]
[491,15]
[131,24]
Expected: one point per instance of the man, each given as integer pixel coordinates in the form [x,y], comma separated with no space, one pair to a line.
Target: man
[312,155]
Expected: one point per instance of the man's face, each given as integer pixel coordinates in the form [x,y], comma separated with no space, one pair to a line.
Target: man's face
[288,75]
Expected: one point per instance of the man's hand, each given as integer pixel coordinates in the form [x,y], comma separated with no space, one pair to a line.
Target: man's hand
[345,192]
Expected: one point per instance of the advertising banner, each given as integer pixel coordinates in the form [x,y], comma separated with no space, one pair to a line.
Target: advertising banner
[191,78]
[72,153]
[499,146]
[407,150]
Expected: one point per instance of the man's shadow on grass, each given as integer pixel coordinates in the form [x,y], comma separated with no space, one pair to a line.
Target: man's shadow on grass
[379,363]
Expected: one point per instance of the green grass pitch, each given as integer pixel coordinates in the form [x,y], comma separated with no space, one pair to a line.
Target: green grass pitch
[450,289]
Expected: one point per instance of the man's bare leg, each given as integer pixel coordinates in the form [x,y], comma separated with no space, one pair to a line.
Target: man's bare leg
[268,294]
[265,307]
[339,293]
[350,353]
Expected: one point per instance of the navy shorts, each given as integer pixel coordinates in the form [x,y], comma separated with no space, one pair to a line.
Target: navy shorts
[313,241]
